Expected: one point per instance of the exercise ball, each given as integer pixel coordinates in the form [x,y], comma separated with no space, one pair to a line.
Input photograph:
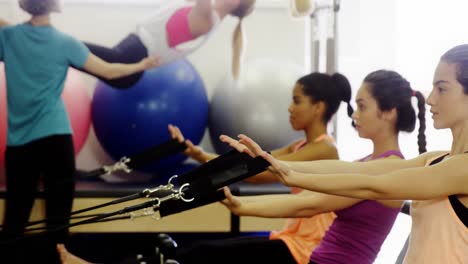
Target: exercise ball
[77,104]
[128,121]
[256,104]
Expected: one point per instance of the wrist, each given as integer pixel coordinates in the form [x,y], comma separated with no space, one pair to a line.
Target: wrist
[199,155]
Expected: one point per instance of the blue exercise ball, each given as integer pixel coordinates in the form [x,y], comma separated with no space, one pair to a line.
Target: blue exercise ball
[128,121]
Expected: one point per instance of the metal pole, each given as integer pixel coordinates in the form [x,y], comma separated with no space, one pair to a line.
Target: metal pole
[315,43]
[332,51]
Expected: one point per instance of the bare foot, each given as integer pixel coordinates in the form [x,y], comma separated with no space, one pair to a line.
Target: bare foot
[68,258]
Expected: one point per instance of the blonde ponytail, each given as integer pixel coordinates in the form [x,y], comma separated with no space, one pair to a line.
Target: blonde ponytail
[237,50]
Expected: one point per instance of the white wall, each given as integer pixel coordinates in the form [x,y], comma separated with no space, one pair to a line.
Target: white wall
[427,29]
[367,35]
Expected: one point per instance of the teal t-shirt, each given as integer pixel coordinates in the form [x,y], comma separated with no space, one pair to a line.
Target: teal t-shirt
[36,61]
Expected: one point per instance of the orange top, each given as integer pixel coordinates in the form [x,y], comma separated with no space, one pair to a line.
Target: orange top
[437,234]
[303,235]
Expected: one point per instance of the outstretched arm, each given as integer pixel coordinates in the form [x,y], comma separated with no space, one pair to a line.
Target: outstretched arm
[305,204]
[374,167]
[423,183]
[110,71]
[313,151]
[400,183]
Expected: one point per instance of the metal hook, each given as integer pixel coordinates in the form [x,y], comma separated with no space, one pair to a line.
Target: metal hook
[181,193]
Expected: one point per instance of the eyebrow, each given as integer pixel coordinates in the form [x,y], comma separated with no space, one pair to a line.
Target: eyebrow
[439,82]
[359,100]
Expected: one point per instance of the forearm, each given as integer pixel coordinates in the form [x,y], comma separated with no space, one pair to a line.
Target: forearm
[348,185]
[336,166]
[101,68]
[408,184]
[276,206]
[118,70]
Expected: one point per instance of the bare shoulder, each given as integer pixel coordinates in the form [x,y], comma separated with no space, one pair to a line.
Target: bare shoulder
[323,150]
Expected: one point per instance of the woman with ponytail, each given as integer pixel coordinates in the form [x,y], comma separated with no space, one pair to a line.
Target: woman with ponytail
[176,22]
[383,109]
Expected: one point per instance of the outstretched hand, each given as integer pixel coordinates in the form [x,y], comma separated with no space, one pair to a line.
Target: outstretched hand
[192,151]
[247,145]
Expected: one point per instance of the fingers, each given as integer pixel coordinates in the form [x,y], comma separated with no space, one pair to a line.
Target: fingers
[176,133]
[252,145]
[236,145]
[227,202]
[231,142]
[227,193]
[179,135]
[231,199]
[171,131]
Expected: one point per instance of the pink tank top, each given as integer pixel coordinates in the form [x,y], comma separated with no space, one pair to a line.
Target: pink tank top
[303,235]
[178,29]
[437,233]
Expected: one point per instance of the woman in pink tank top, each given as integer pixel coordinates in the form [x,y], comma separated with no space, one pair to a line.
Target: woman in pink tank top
[361,226]
[437,182]
[173,23]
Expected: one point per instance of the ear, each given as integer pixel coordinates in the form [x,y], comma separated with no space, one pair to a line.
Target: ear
[390,115]
[320,107]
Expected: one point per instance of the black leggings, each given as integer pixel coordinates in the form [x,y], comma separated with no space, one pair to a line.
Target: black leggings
[241,250]
[129,50]
[53,158]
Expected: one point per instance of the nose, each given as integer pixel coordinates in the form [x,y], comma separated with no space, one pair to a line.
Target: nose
[290,108]
[430,100]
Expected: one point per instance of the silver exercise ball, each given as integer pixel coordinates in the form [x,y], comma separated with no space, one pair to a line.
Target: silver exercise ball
[256,104]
